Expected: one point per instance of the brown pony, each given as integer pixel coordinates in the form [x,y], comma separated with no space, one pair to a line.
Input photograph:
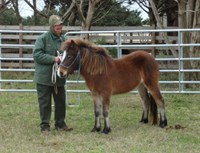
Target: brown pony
[105,76]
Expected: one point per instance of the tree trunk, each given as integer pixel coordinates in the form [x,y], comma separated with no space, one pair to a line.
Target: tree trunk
[182,13]
[69,11]
[35,12]
[86,21]
[159,23]
[189,17]
[195,38]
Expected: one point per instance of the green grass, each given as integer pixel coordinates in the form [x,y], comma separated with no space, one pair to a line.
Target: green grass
[19,127]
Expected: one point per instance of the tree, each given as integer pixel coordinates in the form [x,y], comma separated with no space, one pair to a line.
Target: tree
[91,12]
[7,17]
[189,17]
[86,10]
[3,5]
[164,8]
[119,16]
[181,13]
[82,12]
[160,25]
[8,7]
[15,5]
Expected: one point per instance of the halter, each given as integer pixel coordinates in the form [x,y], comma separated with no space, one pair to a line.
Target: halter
[76,58]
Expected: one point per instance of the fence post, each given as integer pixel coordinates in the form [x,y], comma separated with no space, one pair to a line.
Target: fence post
[153,41]
[0,61]
[20,49]
[119,42]
[180,56]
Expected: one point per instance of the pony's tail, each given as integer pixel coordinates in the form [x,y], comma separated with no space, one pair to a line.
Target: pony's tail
[153,110]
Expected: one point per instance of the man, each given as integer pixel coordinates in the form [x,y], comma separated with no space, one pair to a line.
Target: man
[45,55]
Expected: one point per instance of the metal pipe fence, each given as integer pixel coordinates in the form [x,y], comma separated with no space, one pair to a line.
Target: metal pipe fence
[180,70]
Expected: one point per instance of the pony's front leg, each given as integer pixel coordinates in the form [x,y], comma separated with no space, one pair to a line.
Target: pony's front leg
[97,112]
[106,129]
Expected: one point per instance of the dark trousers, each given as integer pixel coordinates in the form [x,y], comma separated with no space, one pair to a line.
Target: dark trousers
[45,94]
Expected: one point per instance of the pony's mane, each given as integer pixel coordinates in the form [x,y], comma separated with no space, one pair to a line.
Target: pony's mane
[94,58]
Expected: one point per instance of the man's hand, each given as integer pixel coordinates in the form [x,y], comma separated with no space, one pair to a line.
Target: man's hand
[57,59]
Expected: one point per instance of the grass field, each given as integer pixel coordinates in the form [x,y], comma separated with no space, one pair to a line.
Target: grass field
[19,127]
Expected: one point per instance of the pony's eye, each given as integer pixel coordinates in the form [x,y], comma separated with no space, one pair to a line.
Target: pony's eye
[69,56]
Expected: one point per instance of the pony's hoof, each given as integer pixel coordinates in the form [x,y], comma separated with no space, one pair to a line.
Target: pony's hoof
[163,123]
[96,129]
[144,120]
[106,131]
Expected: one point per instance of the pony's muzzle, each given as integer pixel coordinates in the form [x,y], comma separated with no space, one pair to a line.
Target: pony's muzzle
[62,74]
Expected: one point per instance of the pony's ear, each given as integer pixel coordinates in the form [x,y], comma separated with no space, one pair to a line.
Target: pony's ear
[72,41]
[72,44]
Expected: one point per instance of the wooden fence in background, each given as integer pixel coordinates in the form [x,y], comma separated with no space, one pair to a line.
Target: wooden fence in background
[29,38]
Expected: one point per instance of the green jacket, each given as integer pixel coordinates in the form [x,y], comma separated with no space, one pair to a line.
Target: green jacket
[45,50]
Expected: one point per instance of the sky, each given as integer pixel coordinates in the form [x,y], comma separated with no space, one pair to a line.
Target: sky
[26,11]
[144,15]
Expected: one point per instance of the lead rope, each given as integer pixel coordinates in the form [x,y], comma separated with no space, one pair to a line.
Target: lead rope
[54,77]
[54,74]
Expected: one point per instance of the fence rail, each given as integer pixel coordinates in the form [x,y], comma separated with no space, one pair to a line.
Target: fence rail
[179,71]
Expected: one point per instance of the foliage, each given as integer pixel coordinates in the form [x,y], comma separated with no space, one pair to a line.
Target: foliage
[109,14]
[52,4]
[120,16]
[40,21]
[146,22]
[8,17]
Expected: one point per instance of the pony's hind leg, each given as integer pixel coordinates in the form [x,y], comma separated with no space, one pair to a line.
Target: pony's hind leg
[145,98]
[155,92]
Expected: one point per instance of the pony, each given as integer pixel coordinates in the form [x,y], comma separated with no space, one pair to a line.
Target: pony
[105,76]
